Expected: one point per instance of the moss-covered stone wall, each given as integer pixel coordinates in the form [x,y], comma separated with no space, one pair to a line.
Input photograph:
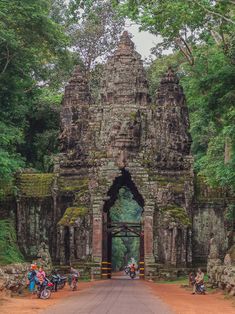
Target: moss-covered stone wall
[209,216]
[36,185]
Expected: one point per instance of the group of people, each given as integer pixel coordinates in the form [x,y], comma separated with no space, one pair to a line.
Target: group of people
[36,275]
[196,281]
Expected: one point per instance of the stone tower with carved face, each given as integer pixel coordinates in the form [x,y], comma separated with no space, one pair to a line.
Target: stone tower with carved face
[125,140]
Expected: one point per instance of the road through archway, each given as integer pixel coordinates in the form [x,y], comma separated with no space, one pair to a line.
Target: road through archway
[123,296]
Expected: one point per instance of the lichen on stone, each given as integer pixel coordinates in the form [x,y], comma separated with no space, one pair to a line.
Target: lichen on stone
[177,213]
[70,184]
[71,215]
[35,184]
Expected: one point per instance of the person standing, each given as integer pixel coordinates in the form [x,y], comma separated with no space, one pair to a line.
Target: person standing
[32,277]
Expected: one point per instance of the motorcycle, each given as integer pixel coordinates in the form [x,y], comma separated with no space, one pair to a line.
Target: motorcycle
[127,270]
[44,289]
[132,274]
[200,288]
[58,281]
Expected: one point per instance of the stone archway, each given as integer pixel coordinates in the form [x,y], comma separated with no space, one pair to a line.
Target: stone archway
[122,228]
[102,238]
[122,139]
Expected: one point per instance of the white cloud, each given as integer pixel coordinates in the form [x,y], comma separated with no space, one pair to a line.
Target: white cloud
[143,40]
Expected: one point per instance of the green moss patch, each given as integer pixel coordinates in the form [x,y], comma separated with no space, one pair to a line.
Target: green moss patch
[71,215]
[35,184]
[71,184]
[177,182]
[177,213]
[98,154]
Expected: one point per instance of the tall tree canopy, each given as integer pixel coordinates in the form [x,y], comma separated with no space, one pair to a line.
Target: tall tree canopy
[29,42]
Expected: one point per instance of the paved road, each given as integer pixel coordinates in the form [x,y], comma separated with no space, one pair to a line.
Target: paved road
[116,296]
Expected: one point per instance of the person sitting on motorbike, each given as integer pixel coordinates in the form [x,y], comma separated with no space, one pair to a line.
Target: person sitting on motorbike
[132,268]
[41,275]
[199,280]
[73,273]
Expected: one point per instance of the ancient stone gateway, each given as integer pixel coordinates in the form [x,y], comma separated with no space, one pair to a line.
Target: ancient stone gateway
[124,140]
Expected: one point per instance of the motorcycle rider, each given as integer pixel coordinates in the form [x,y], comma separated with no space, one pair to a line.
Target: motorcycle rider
[132,268]
[74,273]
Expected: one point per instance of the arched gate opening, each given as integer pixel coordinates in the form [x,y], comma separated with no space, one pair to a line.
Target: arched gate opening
[115,227]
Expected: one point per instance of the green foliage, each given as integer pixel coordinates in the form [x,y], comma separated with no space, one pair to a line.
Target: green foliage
[210,94]
[97,32]
[43,130]
[125,209]
[30,44]
[9,251]
[118,253]
[182,24]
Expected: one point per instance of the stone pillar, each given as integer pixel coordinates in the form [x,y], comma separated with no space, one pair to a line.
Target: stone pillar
[174,247]
[62,248]
[97,238]
[148,238]
[57,252]
[71,243]
[189,257]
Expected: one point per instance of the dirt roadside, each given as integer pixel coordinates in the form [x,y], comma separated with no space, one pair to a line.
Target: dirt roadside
[182,301]
[32,305]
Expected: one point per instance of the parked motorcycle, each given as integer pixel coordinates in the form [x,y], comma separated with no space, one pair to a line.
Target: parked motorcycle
[200,288]
[44,289]
[58,281]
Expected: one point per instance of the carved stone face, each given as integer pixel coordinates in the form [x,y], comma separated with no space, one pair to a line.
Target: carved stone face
[124,133]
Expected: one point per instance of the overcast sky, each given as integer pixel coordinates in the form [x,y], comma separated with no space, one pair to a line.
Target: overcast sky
[144,41]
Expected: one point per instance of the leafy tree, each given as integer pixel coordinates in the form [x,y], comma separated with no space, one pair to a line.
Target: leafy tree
[96,34]
[183,24]
[43,130]
[30,42]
